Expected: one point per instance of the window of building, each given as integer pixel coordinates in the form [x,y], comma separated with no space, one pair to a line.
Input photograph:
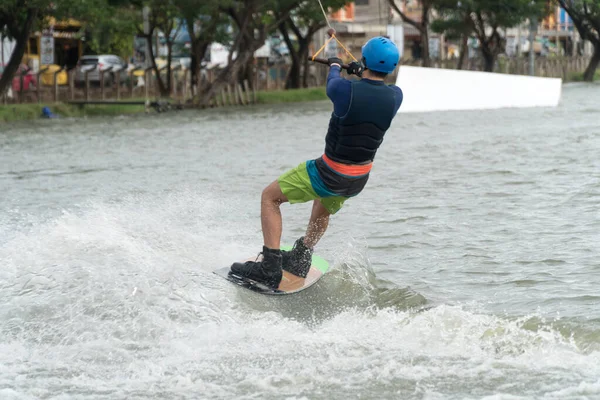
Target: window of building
[361,2]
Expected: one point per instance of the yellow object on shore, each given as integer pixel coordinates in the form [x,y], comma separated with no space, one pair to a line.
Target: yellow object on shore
[47,78]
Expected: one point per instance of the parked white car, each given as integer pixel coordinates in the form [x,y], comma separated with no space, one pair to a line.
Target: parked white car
[98,63]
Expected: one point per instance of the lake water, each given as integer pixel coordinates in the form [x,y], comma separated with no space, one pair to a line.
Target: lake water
[469,267]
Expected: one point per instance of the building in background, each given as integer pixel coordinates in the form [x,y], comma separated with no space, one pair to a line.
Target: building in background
[358,22]
[60,44]
[363,19]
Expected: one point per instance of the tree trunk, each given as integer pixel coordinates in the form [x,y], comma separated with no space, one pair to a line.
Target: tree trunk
[424,29]
[293,78]
[167,92]
[298,74]
[245,70]
[422,26]
[194,50]
[161,85]
[425,58]
[17,55]
[305,67]
[227,76]
[252,34]
[304,57]
[590,71]
[464,50]
[489,59]
[198,51]
[245,47]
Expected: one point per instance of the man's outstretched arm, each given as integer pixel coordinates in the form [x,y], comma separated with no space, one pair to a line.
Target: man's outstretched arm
[339,90]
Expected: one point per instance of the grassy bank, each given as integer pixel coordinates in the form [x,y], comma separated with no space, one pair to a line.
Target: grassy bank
[578,76]
[291,96]
[26,112]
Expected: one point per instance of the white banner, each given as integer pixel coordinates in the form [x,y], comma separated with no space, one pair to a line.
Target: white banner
[6,49]
[47,47]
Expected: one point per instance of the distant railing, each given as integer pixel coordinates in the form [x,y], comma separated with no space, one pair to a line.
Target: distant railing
[112,83]
[115,83]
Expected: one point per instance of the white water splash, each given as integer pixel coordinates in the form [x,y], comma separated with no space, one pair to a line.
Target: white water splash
[119,302]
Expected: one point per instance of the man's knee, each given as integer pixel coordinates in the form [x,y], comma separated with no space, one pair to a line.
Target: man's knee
[273,194]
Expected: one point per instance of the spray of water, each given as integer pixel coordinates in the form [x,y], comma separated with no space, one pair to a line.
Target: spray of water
[119,301]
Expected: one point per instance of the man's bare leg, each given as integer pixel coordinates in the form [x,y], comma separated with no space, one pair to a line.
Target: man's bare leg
[270,215]
[319,220]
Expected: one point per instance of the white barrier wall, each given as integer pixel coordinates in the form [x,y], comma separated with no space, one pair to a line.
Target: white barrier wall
[434,89]
[6,49]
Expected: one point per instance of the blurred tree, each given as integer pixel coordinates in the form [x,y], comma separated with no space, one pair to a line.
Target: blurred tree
[109,24]
[303,22]
[163,17]
[586,17]
[251,22]
[484,19]
[488,16]
[205,24]
[17,21]
[19,18]
[110,30]
[454,20]
[421,24]
[168,22]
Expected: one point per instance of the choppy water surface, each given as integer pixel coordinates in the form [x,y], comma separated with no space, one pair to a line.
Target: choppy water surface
[468,268]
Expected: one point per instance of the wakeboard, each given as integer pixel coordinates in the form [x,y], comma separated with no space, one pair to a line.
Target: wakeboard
[290,283]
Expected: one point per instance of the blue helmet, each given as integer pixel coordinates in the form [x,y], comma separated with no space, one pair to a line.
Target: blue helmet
[380,54]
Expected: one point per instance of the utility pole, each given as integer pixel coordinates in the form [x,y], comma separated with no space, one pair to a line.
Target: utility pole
[532,32]
[518,48]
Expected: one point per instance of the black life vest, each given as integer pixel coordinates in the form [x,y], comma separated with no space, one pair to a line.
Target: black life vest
[355,137]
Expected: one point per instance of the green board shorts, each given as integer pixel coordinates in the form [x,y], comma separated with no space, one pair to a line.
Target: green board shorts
[296,186]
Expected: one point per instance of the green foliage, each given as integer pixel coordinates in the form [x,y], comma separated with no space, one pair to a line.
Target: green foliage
[14,12]
[579,76]
[208,20]
[454,24]
[292,95]
[484,19]
[109,25]
[112,34]
[307,18]
[507,13]
[458,17]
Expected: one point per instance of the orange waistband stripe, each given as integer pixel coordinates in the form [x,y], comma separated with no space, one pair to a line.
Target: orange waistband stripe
[348,169]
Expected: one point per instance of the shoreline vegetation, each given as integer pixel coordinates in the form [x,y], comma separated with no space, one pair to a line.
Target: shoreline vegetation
[27,112]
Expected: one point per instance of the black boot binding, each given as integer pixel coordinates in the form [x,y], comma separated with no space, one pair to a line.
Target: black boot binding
[268,271]
[298,260]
